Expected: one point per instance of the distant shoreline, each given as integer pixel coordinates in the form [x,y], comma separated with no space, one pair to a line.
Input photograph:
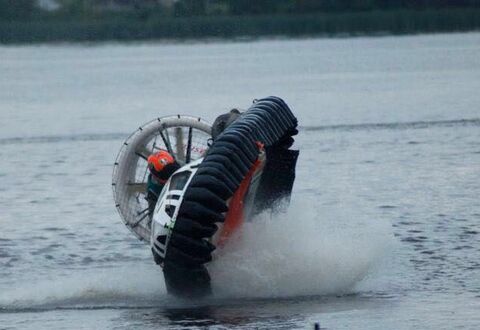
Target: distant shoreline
[371,23]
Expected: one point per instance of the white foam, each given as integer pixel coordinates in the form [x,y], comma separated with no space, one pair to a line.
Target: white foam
[125,285]
[306,251]
[302,252]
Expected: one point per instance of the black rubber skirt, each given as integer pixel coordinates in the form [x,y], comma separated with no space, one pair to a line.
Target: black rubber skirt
[230,157]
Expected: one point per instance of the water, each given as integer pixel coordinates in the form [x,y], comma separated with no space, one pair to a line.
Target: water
[383,230]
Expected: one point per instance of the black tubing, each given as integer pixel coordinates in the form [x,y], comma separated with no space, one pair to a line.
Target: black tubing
[230,157]
[206,173]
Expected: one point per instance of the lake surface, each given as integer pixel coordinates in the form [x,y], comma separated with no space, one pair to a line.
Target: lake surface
[383,231]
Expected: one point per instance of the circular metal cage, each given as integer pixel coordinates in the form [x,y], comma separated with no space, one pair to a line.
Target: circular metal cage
[185,137]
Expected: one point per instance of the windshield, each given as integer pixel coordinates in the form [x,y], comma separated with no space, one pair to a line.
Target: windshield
[179,180]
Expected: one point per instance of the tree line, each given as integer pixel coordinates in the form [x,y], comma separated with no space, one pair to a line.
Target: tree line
[142,9]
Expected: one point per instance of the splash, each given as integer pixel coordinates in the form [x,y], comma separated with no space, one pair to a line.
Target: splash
[306,251]
[128,285]
[301,252]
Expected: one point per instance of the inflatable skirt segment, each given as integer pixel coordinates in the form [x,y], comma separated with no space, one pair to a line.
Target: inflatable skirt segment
[269,122]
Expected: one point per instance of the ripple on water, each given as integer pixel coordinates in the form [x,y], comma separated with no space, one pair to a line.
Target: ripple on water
[429,252]
[408,223]
[463,247]
[87,260]
[412,239]
[418,246]
[471,232]
[4,254]
[418,261]
[439,257]
[41,238]
[68,234]
[54,229]
[10,262]
[414,231]
[387,207]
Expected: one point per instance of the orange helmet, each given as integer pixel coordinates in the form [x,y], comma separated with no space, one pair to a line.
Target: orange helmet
[159,160]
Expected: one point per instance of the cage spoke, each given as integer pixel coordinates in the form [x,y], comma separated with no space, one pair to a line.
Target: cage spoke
[179,144]
[166,141]
[142,152]
[189,146]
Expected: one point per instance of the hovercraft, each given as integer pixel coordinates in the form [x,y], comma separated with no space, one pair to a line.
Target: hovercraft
[224,180]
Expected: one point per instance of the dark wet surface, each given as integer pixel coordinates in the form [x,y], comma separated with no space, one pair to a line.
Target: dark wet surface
[403,184]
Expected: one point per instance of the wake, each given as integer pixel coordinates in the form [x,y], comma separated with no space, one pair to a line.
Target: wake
[299,253]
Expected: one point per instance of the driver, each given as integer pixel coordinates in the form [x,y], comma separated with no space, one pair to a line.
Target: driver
[161,165]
